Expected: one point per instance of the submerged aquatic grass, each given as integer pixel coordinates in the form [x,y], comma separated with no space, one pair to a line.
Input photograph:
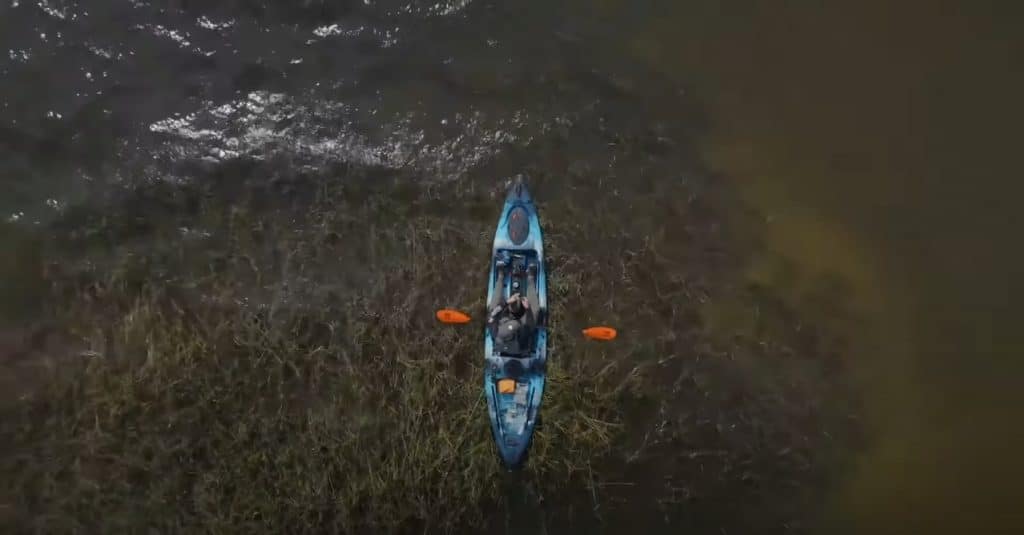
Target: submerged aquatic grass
[257,351]
[243,386]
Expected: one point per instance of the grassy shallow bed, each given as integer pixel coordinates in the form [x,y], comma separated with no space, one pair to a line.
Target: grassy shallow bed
[256,352]
[235,422]
[280,373]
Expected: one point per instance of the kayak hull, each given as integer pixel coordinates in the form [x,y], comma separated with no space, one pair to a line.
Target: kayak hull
[514,413]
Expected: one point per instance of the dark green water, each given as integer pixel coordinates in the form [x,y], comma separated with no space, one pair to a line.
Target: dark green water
[877,141]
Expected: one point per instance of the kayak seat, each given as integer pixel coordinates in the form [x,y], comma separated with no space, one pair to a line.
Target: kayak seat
[514,368]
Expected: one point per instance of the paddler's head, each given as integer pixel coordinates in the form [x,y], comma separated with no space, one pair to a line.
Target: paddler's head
[515,305]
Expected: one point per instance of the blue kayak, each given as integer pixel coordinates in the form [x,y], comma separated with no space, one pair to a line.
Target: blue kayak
[514,379]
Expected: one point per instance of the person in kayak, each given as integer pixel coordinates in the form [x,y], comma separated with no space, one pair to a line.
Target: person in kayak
[512,323]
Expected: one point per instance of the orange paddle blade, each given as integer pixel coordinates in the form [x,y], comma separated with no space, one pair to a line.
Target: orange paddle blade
[452,316]
[600,333]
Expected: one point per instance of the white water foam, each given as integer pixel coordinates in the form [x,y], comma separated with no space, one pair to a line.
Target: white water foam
[268,124]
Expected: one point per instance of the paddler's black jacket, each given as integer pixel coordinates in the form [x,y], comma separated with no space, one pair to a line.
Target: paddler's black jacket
[522,343]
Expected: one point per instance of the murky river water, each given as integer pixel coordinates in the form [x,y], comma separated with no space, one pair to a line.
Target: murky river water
[877,140]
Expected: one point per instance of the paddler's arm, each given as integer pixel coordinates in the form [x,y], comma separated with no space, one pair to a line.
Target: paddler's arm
[492,319]
[528,318]
[495,312]
[526,334]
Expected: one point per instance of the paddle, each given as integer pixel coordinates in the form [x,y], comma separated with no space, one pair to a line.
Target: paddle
[455,317]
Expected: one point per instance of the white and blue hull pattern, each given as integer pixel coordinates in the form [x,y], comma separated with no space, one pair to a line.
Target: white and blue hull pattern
[514,415]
